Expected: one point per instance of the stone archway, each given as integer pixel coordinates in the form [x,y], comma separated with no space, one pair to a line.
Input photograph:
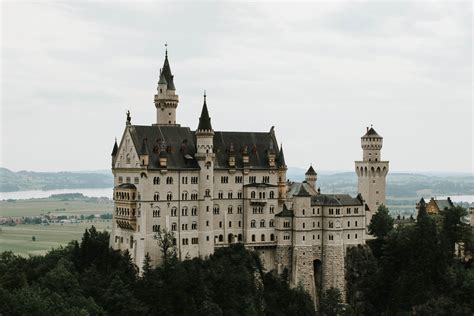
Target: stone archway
[318,280]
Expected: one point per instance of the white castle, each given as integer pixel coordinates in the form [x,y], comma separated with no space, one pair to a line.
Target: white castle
[215,188]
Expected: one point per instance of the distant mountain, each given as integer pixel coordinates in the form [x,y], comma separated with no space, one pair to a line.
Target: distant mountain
[29,180]
[399,185]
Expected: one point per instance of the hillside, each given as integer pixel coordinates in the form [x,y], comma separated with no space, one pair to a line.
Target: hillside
[29,180]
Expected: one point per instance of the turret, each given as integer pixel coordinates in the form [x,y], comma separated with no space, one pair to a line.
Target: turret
[281,164]
[144,153]
[114,153]
[166,99]
[371,172]
[205,158]
[311,176]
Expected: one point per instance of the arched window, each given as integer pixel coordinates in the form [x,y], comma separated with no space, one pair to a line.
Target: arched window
[263,237]
[252,195]
[156,212]
[184,196]
[272,223]
[272,194]
[221,238]
[229,209]
[194,226]
[331,224]
[174,211]
[272,237]
[156,180]
[194,211]
[169,180]
[262,223]
[253,223]
[184,211]
[253,237]
[174,226]
[156,197]
[208,193]
[169,196]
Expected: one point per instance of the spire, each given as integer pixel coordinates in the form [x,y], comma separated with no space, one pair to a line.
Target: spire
[204,120]
[372,133]
[162,78]
[166,71]
[310,171]
[115,150]
[281,158]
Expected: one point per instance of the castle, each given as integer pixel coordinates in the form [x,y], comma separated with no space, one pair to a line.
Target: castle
[215,188]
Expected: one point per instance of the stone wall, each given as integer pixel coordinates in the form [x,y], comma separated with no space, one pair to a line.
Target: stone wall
[333,268]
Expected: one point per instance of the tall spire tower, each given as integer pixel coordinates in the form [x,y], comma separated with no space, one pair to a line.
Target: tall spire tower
[371,172]
[166,99]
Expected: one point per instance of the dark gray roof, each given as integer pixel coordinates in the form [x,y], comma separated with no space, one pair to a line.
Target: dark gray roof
[204,120]
[181,146]
[126,186]
[260,185]
[166,71]
[311,171]
[294,188]
[285,212]
[335,200]
[372,133]
[144,150]
[442,204]
[281,158]
[302,191]
[115,150]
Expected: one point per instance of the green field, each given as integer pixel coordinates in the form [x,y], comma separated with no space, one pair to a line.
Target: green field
[34,207]
[19,238]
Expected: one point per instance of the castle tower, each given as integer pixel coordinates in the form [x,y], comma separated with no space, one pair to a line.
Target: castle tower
[166,99]
[311,176]
[371,172]
[205,158]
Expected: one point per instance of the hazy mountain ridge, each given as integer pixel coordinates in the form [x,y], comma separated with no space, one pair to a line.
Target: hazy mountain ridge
[30,180]
[399,185]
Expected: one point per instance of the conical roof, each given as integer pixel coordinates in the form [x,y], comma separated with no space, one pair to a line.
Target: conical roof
[166,71]
[281,158]
[372,133]
[204,120]
[115,150]
[310,171]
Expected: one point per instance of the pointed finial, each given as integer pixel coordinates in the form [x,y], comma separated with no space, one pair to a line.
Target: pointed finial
[166,49]
[371,125]
[204,96]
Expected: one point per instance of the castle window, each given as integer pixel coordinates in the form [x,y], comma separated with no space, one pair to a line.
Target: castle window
[338,211]
[156,228]
[304,238]
[174,211]
[194,241]
[238,179]
[272,237]
[221,238]
[318,210]
[230,224]
[313,210]
[229,209]
[314,224]
[263,237]
[262,223]
[348,236]
[253,223]
[355,236]
[286,237]
[303,211]
[355,223]
[304,225]
[331,224]
[207,223]
[169,180]
[207,193]
[252,179]
[348,223]
[194,180]
[194,196]
[184,211]
[128,180]
[156,196]
[272,223]
[286,224]
[184,226]
[239,237]
[272,194]
[169,196]
[216,209]
[348,210]
[135,180]
[185,241]
[184,180]
[239,209]
[156,180]
[174,227]
[331,237]
[120,180]
[184,196]
[318,236]
[220,224]
[128,158]
[221,195]
[253,237]
[156,213]
[272,209]
[194,211]
[229,195]
[239,194]
[356,210]
[224,179]
[252,195]
[331,211]
[265,179]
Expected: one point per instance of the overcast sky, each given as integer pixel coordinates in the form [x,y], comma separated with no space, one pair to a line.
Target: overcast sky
[319,72]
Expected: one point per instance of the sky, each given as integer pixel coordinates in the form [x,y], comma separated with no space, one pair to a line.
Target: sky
[320,72]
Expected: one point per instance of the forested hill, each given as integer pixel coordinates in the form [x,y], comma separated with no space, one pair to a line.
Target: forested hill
[29,180]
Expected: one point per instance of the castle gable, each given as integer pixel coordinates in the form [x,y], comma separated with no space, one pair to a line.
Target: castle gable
[127,155]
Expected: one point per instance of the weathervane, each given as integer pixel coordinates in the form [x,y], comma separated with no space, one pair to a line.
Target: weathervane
[166,49]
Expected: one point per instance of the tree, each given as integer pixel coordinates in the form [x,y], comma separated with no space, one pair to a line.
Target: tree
[331,302]
[381,223]
[167,244]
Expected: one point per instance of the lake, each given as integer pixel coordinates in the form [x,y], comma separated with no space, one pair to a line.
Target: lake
[37,194]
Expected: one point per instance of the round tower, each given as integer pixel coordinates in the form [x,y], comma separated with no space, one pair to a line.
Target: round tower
[166,99]
[371,172]
[205,158]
